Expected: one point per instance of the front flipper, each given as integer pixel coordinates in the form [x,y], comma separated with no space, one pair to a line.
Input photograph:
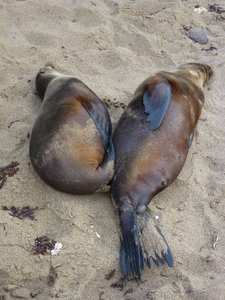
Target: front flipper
[131,254]
[99,114]
[156,100]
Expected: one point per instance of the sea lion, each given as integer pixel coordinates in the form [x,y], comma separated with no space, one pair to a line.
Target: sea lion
[71,145]
[151,142]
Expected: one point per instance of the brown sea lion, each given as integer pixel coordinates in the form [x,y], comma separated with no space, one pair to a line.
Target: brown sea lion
[71,146]
[151,143]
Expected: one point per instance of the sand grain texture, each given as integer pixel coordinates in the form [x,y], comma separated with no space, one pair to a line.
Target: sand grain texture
[112,46]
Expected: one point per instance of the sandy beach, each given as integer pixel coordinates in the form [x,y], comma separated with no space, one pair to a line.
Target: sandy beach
[112,46]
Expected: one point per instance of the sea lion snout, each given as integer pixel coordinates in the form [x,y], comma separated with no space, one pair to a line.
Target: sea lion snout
[209,72]
[48,68]
[43,78]
[201,72]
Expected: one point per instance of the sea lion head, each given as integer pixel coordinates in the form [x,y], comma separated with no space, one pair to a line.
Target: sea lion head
[44,77]
[200,73]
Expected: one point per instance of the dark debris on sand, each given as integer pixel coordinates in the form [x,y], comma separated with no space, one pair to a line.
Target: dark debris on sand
[110,275]
[52,276]
[109,103]
[11,123]
[120,284]
[21,213]
[211,48]
[43,245]
[186,27]
[220,18]
[8,171]
[216,8]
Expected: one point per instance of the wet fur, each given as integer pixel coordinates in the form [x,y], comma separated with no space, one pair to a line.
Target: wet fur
[71,147]
[148,161]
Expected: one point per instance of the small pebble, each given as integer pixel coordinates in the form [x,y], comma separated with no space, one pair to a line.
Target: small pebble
[198,35]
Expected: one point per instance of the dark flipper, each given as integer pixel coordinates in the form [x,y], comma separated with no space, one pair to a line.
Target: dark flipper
[99,114]
[107,167]
[110,153]
[153,242]
[156,100]
[141,241]
[131,254]
[168,254]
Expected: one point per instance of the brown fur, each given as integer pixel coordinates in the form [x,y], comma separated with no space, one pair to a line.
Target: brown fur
[66,147]
[147,161]
[156,161]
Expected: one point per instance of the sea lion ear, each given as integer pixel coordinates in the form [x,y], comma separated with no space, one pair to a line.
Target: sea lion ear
[156,100]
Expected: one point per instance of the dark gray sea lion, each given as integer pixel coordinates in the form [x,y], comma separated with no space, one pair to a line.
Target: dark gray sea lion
[151,144]
[71,146]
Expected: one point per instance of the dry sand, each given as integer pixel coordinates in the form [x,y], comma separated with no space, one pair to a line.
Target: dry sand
[112,46]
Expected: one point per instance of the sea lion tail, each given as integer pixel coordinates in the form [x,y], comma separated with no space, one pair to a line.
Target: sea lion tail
[141,241]
[131,254]
[153,242]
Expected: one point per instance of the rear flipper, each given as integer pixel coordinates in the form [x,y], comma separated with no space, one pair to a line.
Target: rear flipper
[141,241]
[153,242]
[131,254]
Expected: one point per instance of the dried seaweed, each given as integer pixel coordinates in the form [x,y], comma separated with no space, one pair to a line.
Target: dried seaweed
[11,123]
[8,171]
[21,213]
[216,8]
[42,245]
[110,274]
[120,284]
[220,18]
